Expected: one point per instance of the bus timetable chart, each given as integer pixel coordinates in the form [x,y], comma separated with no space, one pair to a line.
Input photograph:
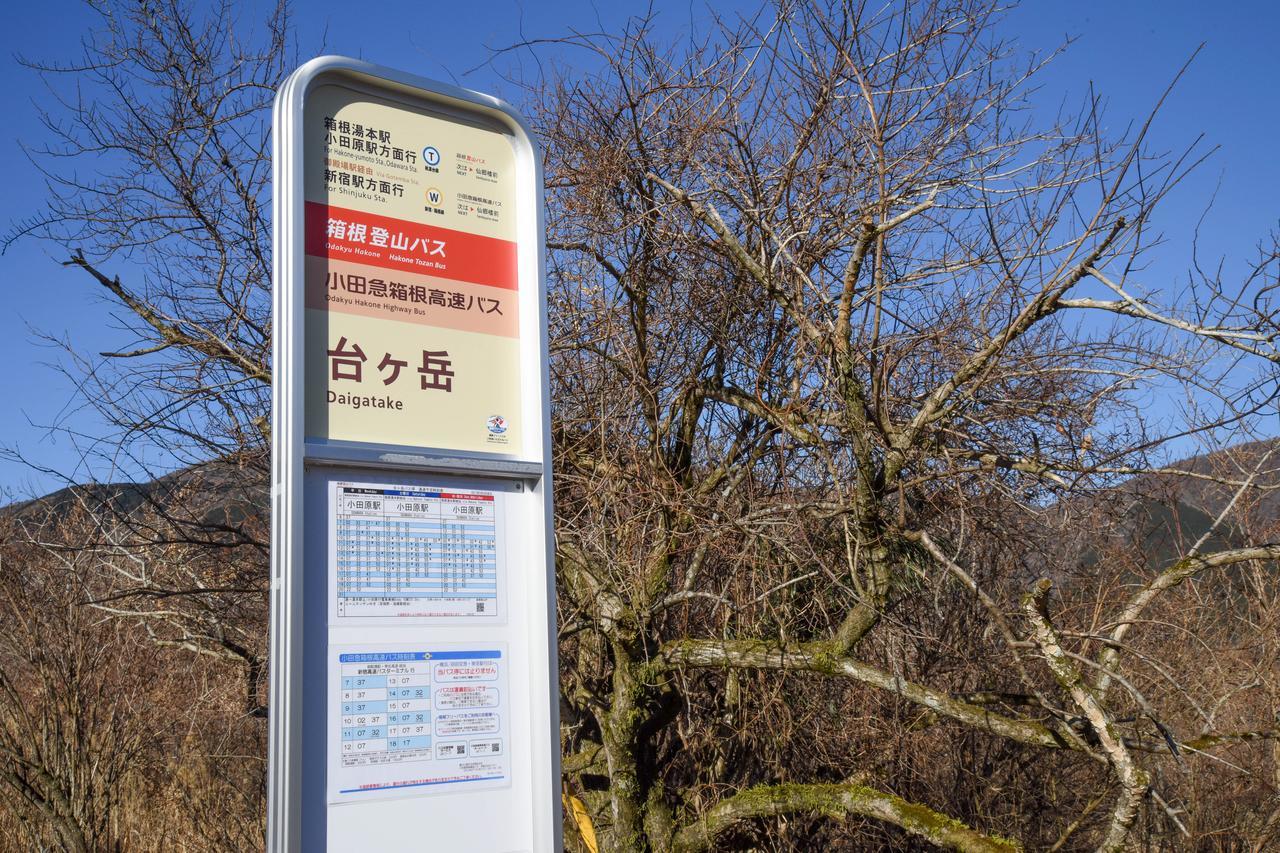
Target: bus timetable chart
[413,552]
[413,719]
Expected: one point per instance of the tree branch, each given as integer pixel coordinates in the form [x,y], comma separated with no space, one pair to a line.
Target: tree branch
[1134,781]
[836,802]
[757,654]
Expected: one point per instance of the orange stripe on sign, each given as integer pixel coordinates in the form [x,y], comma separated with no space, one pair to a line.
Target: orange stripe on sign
[381,241]
[424,300]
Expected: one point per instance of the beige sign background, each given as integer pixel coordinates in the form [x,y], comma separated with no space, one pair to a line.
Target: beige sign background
[412,314]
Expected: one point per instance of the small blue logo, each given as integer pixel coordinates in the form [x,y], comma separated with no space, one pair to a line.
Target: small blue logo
[497,424]
[431,156]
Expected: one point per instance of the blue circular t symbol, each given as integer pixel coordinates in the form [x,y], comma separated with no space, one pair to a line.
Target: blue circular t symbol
[430,156]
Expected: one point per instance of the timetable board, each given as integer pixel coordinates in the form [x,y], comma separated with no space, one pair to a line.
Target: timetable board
[400,553]
[406,719]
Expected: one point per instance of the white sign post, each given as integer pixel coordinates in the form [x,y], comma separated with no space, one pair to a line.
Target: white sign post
[413,675]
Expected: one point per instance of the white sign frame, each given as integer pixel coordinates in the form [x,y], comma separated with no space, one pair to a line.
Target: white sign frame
[298,815]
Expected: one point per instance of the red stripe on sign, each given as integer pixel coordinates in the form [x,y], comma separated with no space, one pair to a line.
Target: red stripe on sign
[461,497]
[381,241]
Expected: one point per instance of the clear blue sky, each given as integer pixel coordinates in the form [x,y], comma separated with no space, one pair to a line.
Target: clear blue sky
[1129,51]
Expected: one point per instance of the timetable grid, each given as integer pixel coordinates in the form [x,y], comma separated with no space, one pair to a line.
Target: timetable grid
[385,713]
[412,552]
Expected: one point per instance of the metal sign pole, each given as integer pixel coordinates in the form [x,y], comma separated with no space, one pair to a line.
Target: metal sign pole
[413,669]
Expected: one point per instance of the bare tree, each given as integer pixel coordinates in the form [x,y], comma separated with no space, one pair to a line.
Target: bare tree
[158,189]
[105,745]
[848,345]
[158,178]
[67,740]
[158,175]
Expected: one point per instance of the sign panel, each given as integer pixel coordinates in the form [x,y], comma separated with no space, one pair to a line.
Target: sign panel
[409,553]
[413,718]
[413,311]
[413,676]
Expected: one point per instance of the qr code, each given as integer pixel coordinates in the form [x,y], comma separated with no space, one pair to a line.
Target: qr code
[479,606]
